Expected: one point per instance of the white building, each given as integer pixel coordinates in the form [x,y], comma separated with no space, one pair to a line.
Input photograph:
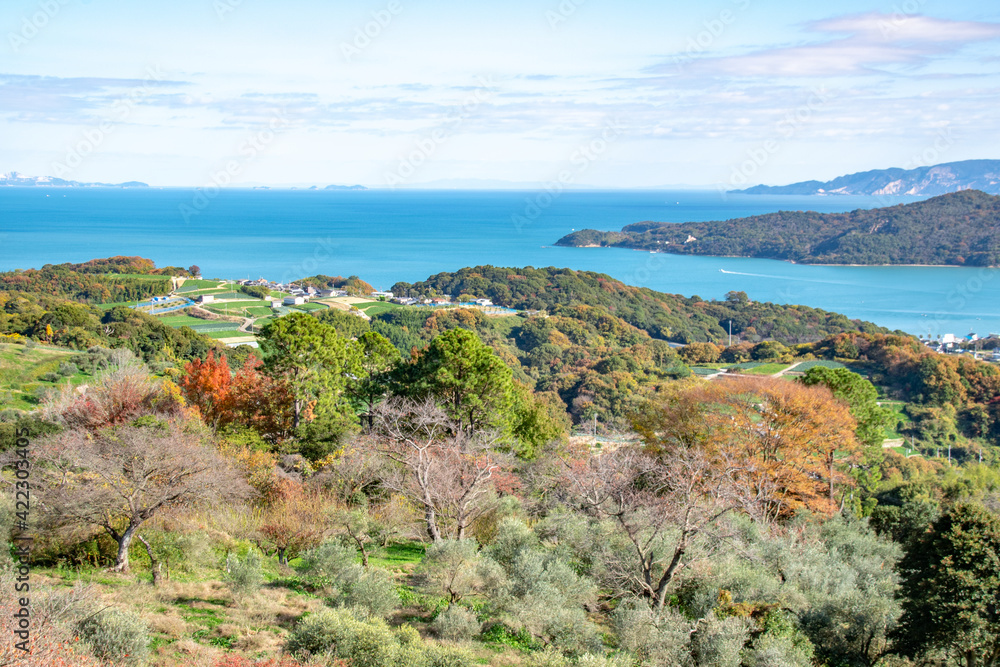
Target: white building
[294,300]
[206,298]
[382,295]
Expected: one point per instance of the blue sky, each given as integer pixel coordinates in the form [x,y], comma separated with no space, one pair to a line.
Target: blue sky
[598,93]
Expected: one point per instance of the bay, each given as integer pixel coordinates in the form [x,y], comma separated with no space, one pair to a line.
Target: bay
[386,236]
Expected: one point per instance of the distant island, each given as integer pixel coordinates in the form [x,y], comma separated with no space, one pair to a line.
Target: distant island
[15,179]
[958,229]
[928,181]
[345,187]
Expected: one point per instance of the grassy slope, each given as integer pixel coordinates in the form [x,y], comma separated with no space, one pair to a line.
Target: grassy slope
[21,368]
[195,620]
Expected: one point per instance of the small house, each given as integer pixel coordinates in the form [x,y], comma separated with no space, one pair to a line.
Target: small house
[294,300]
[484,302]
[382,295]
[206,298]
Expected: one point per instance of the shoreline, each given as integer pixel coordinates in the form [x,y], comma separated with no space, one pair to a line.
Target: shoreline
[787,261]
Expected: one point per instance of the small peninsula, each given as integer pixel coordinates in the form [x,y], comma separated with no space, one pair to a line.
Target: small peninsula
[958,229]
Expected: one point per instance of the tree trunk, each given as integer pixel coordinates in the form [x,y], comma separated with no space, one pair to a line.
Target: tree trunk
[154,565]
[124,542]
[282,559]
[432,528]
[298,412]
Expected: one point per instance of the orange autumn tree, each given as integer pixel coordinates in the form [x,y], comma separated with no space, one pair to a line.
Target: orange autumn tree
[248,397]
[786,444]
[207,385]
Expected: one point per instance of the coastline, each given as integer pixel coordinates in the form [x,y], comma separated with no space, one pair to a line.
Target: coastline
[787,261]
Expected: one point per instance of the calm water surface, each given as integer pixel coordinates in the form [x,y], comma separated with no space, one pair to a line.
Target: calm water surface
[388,236]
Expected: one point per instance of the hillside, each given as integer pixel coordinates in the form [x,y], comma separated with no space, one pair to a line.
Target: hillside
[928,181]
[665,316]
[959,229]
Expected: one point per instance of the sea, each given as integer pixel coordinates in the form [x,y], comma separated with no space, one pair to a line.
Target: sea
[385,236]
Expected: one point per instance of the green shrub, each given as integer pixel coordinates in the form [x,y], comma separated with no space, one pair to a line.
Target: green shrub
[456,624]
[656,638]
[328,562]
[719,642]
[68,368]
[340,634]
[448,656]
[50,377]
[115,635]
[244,575]
[450,569]
[372,591]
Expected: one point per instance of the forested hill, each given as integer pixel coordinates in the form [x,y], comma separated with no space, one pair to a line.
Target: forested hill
[958,229]
[600,298]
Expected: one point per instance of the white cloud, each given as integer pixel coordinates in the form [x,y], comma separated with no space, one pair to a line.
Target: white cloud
[852,45]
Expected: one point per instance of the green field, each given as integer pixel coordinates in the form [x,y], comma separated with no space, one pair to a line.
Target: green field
[177,321]
[233,333]
[745,366]
[376,307]
[819,363]
[765,369]
[704,370]
[897,415]
[21,370]
[109,306]
[310,306]
[213,327]
[191,284]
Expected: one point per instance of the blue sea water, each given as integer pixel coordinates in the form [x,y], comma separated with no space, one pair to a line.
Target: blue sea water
[386,236]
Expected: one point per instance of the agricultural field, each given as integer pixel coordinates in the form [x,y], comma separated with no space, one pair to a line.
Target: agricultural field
[109,306]
[24,371]
[192,284]
[310,306]
[818,363]
[375,307]
[177,321]
[229,333]
[765,369]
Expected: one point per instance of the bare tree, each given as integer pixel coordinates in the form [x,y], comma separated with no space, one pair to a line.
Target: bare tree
[450,474]
[660,504]
[117,479]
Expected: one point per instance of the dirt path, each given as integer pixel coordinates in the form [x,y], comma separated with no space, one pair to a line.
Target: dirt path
[790,368]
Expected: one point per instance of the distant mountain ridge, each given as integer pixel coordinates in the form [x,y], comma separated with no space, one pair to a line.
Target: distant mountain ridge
[957,229]
[15,179]
[940,179]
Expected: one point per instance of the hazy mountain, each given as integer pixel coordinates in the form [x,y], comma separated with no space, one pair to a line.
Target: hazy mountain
[931,181]
[14,178]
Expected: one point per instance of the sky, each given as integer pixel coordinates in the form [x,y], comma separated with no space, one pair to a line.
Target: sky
[418,93]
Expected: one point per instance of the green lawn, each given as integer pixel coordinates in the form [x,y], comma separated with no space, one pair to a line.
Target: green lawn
[259,311]
[766,369]
[191,284]
[704,370]
[372,309]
